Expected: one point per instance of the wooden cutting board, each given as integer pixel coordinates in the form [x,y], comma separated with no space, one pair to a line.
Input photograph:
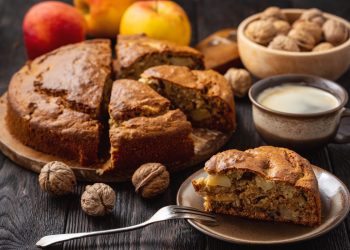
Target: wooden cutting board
[207,143]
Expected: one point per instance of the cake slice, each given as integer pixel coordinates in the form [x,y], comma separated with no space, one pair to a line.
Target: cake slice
[130,98]
[143,129]
[265,183]
[203,95]
[136,53]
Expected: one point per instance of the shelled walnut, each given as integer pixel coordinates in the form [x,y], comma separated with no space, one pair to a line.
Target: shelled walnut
[313,15]
[57,178]
[304,40]
[335,32]
[272,14]
[151,179]
[309,27]
[282,27]
[261,31]
[98,199]
[282,42]
[240,81]
[323,46]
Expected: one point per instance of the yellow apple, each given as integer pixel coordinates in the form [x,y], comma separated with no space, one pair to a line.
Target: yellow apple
[103,16]
[164,20]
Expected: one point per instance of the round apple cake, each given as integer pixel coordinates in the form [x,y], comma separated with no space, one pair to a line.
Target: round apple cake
[65,103]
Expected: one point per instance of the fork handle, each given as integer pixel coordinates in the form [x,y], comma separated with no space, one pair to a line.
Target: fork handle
[56,238]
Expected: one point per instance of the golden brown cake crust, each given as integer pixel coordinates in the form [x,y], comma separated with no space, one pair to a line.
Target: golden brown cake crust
[164,138]
[172,123]
[53,101]
[132,98]
[274,163]
[76,72]
[131,48]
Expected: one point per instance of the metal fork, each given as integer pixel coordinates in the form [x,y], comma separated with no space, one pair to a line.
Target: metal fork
[165,213]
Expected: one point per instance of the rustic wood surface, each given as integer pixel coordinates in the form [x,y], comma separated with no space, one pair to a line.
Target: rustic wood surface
[206,143]
[26,214]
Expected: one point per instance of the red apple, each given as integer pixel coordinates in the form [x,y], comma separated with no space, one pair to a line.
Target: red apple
[51,24]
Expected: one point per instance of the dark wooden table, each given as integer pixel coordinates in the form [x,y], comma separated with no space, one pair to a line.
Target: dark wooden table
[26,213]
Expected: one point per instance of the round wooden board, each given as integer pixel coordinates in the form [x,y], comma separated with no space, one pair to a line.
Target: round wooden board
[207,142]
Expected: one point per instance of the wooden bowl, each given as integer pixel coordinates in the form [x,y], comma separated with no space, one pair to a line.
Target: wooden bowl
[264,62]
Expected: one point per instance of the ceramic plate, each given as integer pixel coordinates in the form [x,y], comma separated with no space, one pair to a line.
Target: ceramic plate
[335,206]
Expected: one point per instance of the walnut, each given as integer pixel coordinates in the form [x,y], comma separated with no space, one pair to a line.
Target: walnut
[57,178]
[304,40]
[282,42]
[272,14]
[323,46]
[312,28]
[313,15]
[335,32]
[282,27]
[240,81]
[150,179]
[98,199]
[261,31]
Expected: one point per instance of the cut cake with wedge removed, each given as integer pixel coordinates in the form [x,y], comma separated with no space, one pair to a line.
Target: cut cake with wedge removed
[56,102]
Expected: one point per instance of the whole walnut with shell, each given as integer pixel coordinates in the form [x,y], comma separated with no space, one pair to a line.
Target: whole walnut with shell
[311,32]
[56,178]
[151,179]
[240,81]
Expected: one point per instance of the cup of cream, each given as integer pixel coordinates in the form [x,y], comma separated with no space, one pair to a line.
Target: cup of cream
[298,111]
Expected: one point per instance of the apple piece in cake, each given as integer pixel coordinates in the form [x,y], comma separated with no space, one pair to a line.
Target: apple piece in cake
[265,183]
[204,96]
[136,53]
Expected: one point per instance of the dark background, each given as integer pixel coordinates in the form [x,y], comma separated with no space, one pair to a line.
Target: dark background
[26,213]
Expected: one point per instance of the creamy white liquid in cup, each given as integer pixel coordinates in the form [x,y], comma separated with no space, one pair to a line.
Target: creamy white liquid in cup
[297,99]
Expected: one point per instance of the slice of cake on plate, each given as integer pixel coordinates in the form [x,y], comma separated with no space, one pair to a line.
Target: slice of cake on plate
[136,53]
[143,129]
[266,183]
[203,95]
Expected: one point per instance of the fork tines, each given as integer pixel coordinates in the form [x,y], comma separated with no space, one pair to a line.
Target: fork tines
[189,210]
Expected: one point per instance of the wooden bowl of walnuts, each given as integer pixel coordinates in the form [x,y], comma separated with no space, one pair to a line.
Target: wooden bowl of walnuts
[304,41]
